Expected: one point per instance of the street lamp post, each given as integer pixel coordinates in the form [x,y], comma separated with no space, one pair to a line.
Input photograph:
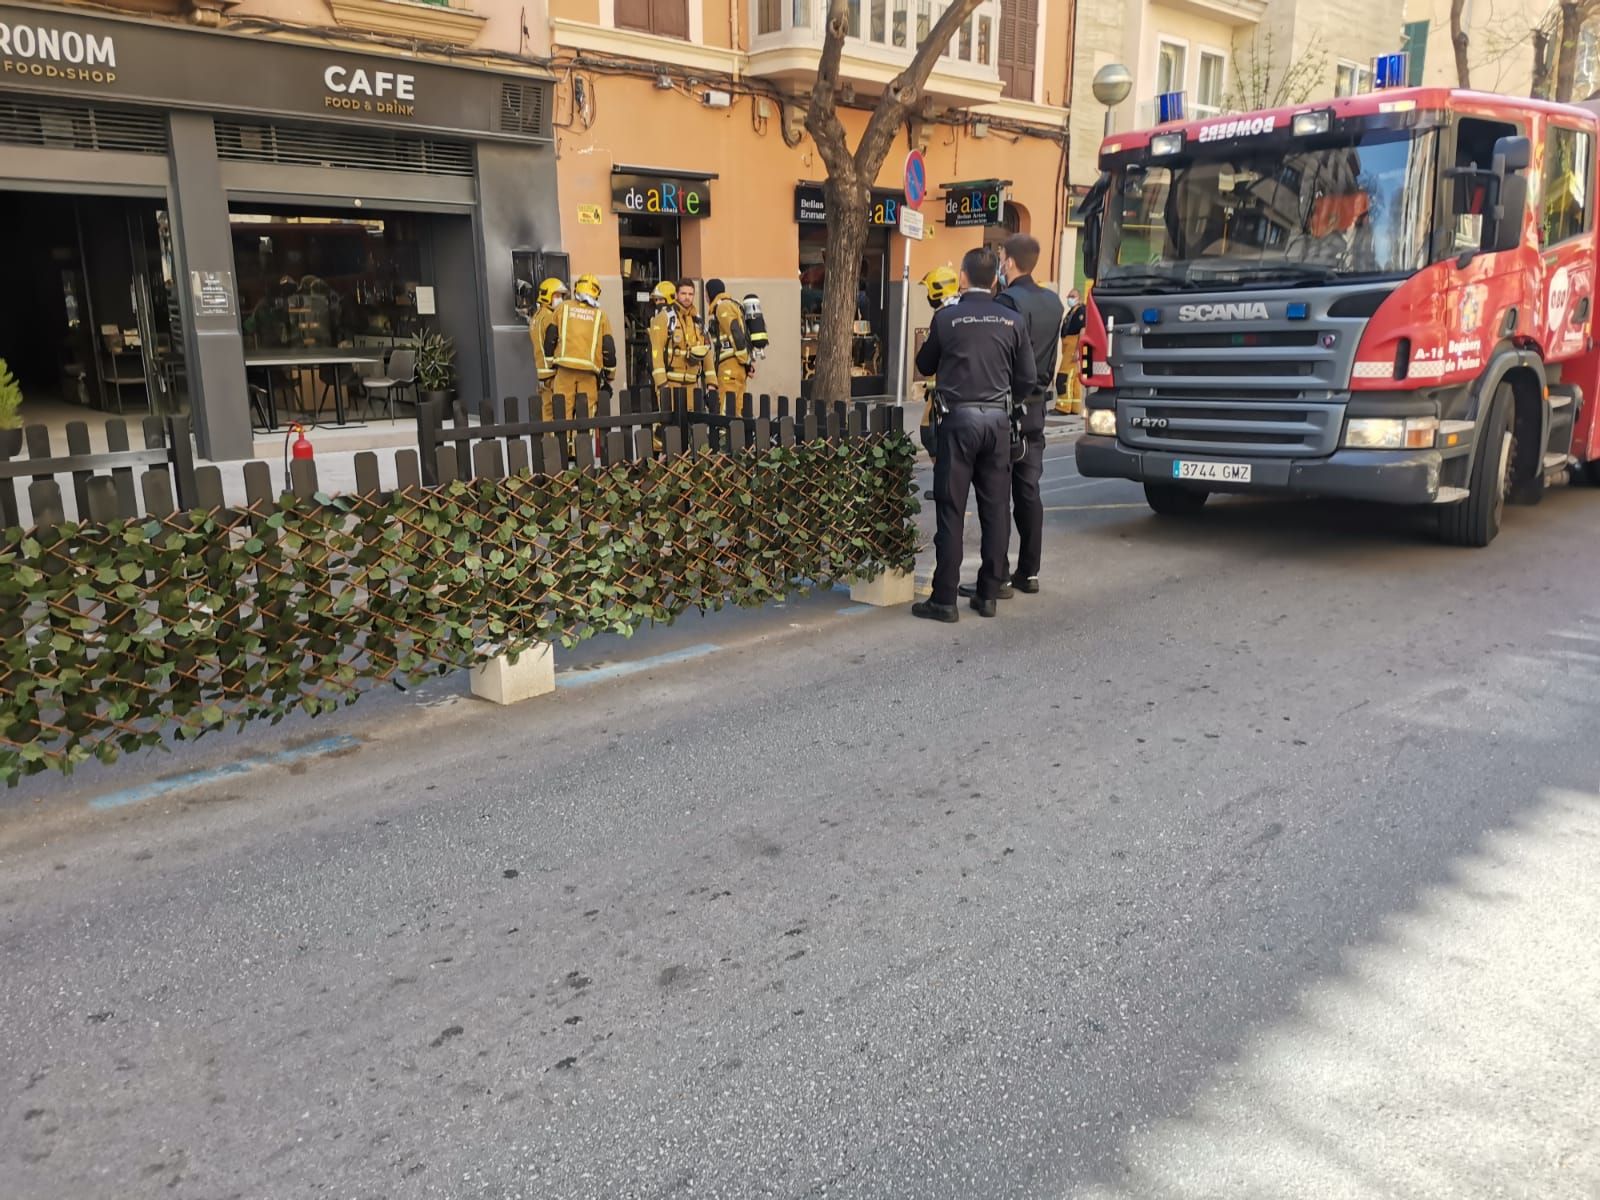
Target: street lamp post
[1112,83]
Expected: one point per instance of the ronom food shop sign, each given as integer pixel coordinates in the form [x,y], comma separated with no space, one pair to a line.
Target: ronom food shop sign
[111,59]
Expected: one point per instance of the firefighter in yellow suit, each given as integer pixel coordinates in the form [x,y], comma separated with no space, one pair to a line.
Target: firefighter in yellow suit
[679,353]
[944,287]
[580,346]
[1069,384]
[552,292]
[730,343]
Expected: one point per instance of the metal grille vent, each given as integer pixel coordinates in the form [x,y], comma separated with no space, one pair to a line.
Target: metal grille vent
[522,109]
[352,149]
[71,127]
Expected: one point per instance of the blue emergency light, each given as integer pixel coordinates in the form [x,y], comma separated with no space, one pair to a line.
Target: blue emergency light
[1152,316]
[1298,312]
[1390,71]
[1169,107]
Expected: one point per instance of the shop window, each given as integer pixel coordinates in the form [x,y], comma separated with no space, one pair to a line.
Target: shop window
[868,352]
[665,18]
[1019,27]
[308,279]
[1567,195]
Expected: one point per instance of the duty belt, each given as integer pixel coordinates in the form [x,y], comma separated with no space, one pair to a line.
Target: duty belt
[996,405]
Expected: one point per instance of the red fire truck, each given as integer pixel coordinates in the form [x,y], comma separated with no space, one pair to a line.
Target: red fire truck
[1384,297]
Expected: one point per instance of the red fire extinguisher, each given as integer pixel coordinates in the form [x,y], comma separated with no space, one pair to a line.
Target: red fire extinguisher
[300,451]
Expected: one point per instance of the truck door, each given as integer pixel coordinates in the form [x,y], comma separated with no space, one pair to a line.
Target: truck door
[1566,238]
[1479,297]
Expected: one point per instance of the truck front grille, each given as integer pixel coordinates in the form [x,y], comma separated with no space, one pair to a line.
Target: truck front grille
[1203,426]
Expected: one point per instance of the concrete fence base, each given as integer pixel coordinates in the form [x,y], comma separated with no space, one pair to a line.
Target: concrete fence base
[503,682]
[886,591]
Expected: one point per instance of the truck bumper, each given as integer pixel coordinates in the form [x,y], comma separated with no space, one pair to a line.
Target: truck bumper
[1384,476]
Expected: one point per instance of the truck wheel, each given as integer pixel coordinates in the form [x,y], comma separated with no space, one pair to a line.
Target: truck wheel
[1591,472]
[1172,501]
[1475,520]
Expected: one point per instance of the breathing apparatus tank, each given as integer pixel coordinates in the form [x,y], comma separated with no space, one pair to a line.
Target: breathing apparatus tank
[755,326]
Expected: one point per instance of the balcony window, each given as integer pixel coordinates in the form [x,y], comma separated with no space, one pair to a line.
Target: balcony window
[665,18]
[802,14]
[984,26]
[769,16]
[1352,79]
[900,19]
[965,53]
[854,29]
[1019,32]
[924,20]
[880,10]
[1208,93]
[1171,67]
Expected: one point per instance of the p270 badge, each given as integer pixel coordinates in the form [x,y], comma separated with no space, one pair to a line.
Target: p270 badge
[1149,422]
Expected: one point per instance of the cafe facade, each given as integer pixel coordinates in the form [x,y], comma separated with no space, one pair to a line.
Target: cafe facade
[700,191]
[179,205]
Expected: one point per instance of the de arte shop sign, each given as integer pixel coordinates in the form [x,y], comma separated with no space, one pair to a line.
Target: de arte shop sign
[967,204]
[811,206]
[660,196]
[119,59]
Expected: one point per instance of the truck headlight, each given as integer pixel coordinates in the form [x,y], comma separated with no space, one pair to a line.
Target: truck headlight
[1391,433]
[1102,422]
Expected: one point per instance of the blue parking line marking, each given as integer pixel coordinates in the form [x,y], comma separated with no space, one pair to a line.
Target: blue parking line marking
[853,609]
[581,676]
[240,766]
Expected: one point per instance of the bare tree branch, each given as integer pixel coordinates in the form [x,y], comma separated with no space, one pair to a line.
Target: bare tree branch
[899,99]
[1460,43]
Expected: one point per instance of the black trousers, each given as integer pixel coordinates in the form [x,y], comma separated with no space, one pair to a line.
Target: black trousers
[1026,506]
[974,452]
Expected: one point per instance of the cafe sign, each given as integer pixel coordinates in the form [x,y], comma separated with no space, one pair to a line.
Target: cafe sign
[660,196]
[980,203]
[883,212]
[109,58]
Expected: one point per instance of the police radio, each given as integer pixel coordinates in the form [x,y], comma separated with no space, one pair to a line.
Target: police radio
[755,326]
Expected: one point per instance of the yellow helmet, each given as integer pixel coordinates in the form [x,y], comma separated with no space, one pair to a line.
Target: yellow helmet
[665,292]
[942,283]
[587,285]
[550,289]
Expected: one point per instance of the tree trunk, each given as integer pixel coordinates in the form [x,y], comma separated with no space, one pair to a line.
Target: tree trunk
[1572,14]
[847,203]
[1459,42]
[848,187]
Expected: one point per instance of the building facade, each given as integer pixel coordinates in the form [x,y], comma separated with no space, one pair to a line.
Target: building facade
[682,153]
[201,188]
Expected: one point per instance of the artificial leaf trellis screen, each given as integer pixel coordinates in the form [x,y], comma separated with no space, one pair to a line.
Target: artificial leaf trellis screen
[116,636]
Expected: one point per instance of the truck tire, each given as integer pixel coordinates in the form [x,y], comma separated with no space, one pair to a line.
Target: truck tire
[1591,472]
[1169,500]
[1475,520]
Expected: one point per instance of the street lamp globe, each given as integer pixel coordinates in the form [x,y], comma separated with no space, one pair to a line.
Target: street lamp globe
[1112,83]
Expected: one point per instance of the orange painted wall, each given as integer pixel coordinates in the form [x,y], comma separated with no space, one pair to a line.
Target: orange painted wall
[752,231]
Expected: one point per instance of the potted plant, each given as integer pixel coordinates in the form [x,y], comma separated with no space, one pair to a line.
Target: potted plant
[10,413]
[435,366]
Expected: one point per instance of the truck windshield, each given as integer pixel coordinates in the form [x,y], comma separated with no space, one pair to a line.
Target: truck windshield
[1344,205]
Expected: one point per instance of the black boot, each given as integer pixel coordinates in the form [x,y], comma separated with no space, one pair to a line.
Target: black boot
[1005,592]
[929,611]
[984,608]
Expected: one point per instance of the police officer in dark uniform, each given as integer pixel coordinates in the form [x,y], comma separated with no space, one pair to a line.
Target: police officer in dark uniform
[980,352]
[1043,313]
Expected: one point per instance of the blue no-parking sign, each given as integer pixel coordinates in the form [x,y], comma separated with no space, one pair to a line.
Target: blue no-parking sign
[916,180]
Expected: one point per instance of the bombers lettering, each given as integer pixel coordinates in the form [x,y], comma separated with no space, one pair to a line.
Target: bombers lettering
[1254,311]
[48,53]
[1243,127]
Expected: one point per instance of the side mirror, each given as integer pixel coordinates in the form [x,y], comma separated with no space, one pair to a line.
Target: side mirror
[1511,158]
[1091,247]
[1512,154]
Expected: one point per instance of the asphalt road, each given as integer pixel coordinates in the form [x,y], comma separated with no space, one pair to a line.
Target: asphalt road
[1254,858]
